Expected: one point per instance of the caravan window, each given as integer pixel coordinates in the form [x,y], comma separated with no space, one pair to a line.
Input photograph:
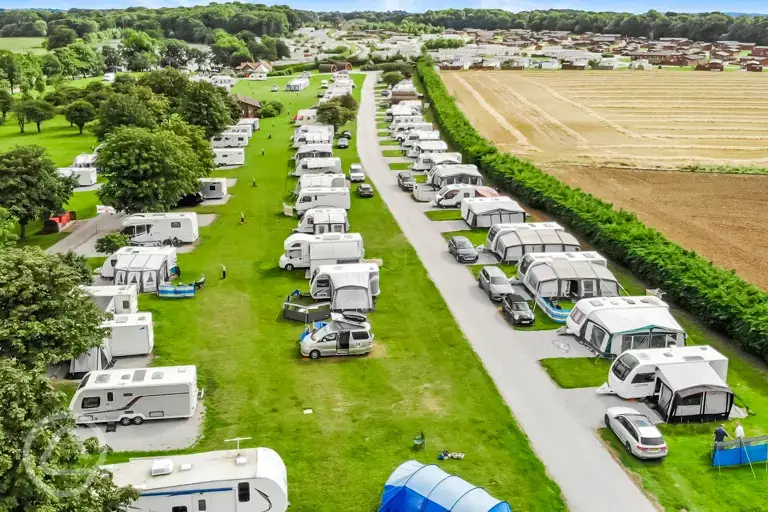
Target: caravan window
[624,365]
[175,224]
[323,283]
[243,492]
[110,397]
[598,336]
[577,315]
[691,400]
[306,199]
[201,506]
[644,378]
[180,508]
[90,402]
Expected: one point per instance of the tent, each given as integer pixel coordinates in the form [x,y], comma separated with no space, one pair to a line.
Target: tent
[692,391]
[571,279]
[484,212]
[416,487]
[351,291]
[512,246]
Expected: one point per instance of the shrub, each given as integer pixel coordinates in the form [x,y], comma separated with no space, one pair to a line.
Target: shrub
[268,111]
[275,105]
[111,242]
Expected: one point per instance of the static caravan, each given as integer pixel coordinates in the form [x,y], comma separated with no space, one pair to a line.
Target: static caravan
[85,161]
[429,146]
[259,76]
[320,180]
[213,188]
[322,165]
[572,280]
[306,116]
[114,299]
[403,129]
[131,334]
[349,287]
[317,221]
[110,264]
[450,196]
[245,480]
[415,136]
[510,242]
[612,325]
[108,78]
[427,161]
[297,84]
[85,176]
[313,151]
[313,137]
[484,212]
[229,140]
[448,174]
[159,228]
[253,122]
[321,196]
[302,250]
[228,157]
[135,395]
[246,129]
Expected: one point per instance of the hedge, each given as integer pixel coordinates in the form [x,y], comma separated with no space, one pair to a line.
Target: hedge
[715,296]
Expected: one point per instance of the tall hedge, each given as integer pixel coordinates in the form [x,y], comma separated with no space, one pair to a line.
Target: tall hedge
[716,296]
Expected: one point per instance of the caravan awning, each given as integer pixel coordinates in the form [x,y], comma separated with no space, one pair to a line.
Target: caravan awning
[628,320]
[682,376]
[351,292]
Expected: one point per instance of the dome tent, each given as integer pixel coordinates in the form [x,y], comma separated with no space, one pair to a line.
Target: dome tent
[415,487]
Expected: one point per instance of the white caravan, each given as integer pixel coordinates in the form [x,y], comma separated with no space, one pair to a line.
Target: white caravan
[319,180]
[253,122]
[428,146]
[223,81]
[245,129]
[349,287]
[228,157]
[161,228]
[305,116]
[416,118]
[311,251]
[312,137]
[245,480]
[167,253]
[304,128]
[484,212]
[213,188]
[108,78]
[321,196]
[415,136]
[85,176]
[428,161]
[229,140]
[317,221]
[135,395]
[85,161]
[131,334]
[297,84]
[324,165]
[448,174]
[313,151]
[114,299]
[450,196]
[403,129]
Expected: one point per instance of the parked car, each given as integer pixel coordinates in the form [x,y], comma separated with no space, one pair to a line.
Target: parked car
[356,173]
[275,88]
[342,143]
[324,84]
[364,190]
[637,432]
[405,180]
[516,309]
[345,334]
[462,249]
[191,200]
[346,134]
[386,93]
[320,94]
[494,282]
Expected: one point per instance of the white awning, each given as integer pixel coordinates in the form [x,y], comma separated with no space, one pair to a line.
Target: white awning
[680,376]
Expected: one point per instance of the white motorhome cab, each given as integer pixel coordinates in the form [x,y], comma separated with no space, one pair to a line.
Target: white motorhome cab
[403,129]
[428,161]
[428,146]
[126,254]
[228,157]
[311,251]
[246,129]
[313,151]
[114,299]
[131,334]
[415,136]
[229,140]
[244,480]
[450,196]
[253,122]
[349,287]
[213,188]
[321,165]
[158,228]
[85,176]
[317,221]
[319,180]
[85,161]
[135,395]
[318,196]
[305,116]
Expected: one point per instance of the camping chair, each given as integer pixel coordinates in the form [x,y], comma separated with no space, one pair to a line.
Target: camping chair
[199,283]
[419,441]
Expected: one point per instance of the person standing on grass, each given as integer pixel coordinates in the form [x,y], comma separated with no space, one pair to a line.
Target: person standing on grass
[739,431]
[721,434]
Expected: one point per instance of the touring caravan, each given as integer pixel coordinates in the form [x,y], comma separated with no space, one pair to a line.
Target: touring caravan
[313,151]
[484,212]
[130,334]
[510,242]
[243,480]
[311,251]
[321,181]
[570,280]
[427,161]
[313,137]
[448,174]
[349,287]
[161,228]
[406,108]
[224,81]
[305,116]
[245,129]
[253,122]
[415,136]
[229,140]
[317,221]
[612,325]
[85,161]
[415,118]
[450,196]
[136,395]
[126,254]
[213,188]
[322,165]
[403,129]
[297,84]
[321,196]
[428,146]
[114,299]
[228,157]
[85,176]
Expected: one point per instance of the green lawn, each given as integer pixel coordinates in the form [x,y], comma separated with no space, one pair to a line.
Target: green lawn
[509,270]
[63,142]
[388,143]
[392,152]
[422,375]
[404,166]
[23,44]
[577,372]
[476,236]
[84,203]
[382,125]
[443,214]
[420,178]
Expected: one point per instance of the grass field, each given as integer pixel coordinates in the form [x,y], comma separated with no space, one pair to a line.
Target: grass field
[400,166]
[63,142]
[23,44]
[443,214]
[392,152]
[422,375]
[577,372]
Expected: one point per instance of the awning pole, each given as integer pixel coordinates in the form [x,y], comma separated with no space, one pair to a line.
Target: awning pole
[749,461]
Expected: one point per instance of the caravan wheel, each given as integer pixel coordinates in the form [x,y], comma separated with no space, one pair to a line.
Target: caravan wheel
[138,420]
[125,421]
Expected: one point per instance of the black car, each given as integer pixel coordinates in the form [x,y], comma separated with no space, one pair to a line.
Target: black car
[405,180]
[364,190]
[516,309]
[462,249]
[191,200]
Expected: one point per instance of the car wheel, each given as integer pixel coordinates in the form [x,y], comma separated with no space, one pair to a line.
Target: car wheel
[289,267]
[607,421]
[125,421]
[479,284]
[315,354]
[138,420]
[629,447]
[490,296]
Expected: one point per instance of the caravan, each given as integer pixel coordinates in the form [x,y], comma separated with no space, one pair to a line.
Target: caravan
[349,287]
[253,122]
[415,136]
[448,174]
[317,221]
[313,151]
[135,395]
[321,196]
[320,180]
[415,118]
[403,129]
[245,129]
[305,116]
[114,299]
[428,161]
[85,176]
[168,254]
[131,334]
[313,137]
[484,212]
[228,157]
[450,196]
[428,146]
[327,165]
[161,228]
[85,161]
[311,251]
[297,84]
[213,188]
[510,242]
[229,140]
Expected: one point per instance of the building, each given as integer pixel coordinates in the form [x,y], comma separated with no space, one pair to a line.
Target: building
[249,107]
[254,67]
[713,65]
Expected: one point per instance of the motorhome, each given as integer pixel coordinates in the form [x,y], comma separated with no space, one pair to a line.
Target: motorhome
[427,161]
[313,151]
[537,258]
[84,176]
[114,299]
[297,84]
[450,196]
[346,334]
[161,228]
[484,212]
[130,334]
[85,160]
[224,81]
[415,136]
[510,242]
[246,129]
[242,480]
[403,129]
[311,251]
[349,287]
[570,280]
[136,395]
[321,196]
[108,78]
[313,137]
[228,157]
[213,188]
[319,180]
[305,116]
[253,122]
[612,325]
[229,140]
[320,165]
[428,146]
[317,221]
[449,174]
[128,253]
[413,118]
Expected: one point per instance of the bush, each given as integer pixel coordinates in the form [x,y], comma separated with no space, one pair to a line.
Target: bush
[111,242]
[276,105]
[717,297]
[268,111]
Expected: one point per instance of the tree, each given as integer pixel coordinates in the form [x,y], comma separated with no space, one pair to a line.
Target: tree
[392,78]
[80,112]
[146,170]
[79,265]
[9,69]
[199,58]
[112,58]
[34,420]
[334,114]
[7,229]
[166,81]
[6,100]
[198,142]
[283,51]
[121,110]
[173,53]
[61,37]
[38,111]
[30,187]
[368,66]
[51,65]
[275,105]
[347,101]
[268,111]
[111,242]
[201,104]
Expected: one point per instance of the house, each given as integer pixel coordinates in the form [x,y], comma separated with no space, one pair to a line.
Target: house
[713,65]
[755,67]
[517,63]
[760,51]
[548,64]
[254,67]
[656,57]
[641,65]
[249,107]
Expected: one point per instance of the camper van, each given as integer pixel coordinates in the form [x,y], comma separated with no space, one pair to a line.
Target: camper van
[85,161]
[415,136]
[349,287]
[311,251]
[311,165]
[484,212]
[321,196]
[320,180]
[245,129]
[161,228]
[130,334]
[243,480]
[428,146]
[347,334]
[84,176]
[313,137]
[450,196]
[114,299]
[229,140]
[213,188]
[510,242]
[313,151]
[403,129]
[228,157]
[136,395]
[168,254]
[317,221]
[428,161]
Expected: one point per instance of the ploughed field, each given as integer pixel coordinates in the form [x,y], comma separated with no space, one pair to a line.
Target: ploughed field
[610,133]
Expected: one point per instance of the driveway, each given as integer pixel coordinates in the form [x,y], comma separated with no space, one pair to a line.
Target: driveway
[590,479]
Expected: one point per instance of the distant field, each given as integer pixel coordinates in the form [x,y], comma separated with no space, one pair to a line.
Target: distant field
[62,141]
[23,44]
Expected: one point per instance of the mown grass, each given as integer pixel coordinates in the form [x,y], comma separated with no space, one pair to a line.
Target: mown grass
[388,143]
[392,152]
[443,214]
[401,166]
[476,236]
[84,203]
[23,44]
[577,372]
[62,141]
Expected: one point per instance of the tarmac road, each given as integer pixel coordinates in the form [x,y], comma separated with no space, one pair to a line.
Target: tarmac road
[590,479]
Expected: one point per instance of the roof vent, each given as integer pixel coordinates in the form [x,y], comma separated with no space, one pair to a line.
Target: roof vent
[162,467]
[668,354]
[185,467]
[241,460]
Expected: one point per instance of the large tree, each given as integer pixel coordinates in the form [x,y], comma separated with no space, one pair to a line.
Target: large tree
[38,111]
[334,114]
[195,137]
[147,170]
[7,229]
[32,475]
[202,104]
[6,100]
[392,78]
[112,58]
[80,112]
[123,110]
[174,53]
[30,187]
[166,81]
[61,37]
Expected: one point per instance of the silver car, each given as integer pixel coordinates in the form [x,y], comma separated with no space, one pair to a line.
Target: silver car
[346,334]
[636,432]
[494,282]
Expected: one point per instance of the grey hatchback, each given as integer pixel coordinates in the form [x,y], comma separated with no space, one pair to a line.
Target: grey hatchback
[405,180]
[494,282]
[462,249]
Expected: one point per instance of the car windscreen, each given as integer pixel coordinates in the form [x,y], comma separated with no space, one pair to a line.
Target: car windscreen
[407,178]
[499,280]
[463,244]
[519,306]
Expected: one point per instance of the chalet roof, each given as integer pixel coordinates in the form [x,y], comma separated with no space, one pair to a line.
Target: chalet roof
[241,98]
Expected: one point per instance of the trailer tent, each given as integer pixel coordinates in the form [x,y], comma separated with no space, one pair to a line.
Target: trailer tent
[415,487]
[692,392]
[484,212]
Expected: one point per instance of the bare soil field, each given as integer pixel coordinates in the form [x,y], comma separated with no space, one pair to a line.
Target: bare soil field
[610,133]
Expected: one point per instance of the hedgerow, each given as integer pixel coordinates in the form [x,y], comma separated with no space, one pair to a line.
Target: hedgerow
[716,296]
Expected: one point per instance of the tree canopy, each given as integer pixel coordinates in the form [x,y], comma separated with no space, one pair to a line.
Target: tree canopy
[79,113]
[203,104]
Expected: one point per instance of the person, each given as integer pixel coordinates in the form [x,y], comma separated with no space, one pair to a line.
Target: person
[721,434]
[253,182]
[242,218]
[223,272]
[269,136]
[262,151]
[739,431]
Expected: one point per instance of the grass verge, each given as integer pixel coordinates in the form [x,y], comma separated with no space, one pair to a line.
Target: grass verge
[577,372]
[443,214]
[400,166]
[392,152]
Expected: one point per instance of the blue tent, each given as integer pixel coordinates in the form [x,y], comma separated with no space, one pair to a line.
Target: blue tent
[414,487]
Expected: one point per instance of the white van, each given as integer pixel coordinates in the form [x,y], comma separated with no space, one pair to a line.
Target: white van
[324,165]
[317,221]
[229,140]
[311,251]
[320,180]
[321,196]
[85,176]
[161,228]
[108,78]
[130,334]
[225,157]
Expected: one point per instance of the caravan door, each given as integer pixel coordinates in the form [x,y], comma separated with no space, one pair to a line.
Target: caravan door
[343,346]
[149,281]
[109,404]
[134,278]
